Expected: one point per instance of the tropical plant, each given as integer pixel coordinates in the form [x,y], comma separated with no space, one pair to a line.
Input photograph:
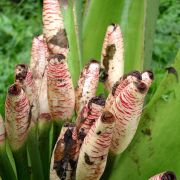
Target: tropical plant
[155,144]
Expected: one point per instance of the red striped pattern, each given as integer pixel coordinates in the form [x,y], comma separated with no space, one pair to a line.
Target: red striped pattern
[2,131]
[118,87]
[116,64]
[94,151]
[52,24]
[61,95]
[87,84]
[39,55]
[127,109]
[44,111]
[91,113]
[17,111]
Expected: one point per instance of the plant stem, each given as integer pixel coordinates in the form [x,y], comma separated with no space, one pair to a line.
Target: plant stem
[21,161]
[44,146]
[34,153]
[6,169]
[109,166]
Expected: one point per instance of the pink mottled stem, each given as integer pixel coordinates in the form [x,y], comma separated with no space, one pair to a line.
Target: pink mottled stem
[164,176]
[53,27]
[112,59]
[17,111]
[39,55]
[2,131]
[61,95]
[127,109]
[87,84]
[94,150]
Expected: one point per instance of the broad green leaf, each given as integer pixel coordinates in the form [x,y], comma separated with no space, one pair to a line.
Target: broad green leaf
[150,25]
[72,25]
[101,13]
[155,147]
[137,20]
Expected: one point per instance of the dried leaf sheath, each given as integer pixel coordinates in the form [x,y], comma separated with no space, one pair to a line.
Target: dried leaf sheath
[164,176]
[87,84]
[127,109]
[112,55]
[61,95]
[2,131]
[16,116]
[39,55]
[53,27]
[94,150]
[65,154]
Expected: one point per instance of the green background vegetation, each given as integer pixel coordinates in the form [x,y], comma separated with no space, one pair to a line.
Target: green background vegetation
[20,21]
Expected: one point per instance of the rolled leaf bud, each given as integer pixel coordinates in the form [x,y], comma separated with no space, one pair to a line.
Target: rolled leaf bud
[127,109]
[24,77]
[95,148]
[2,131]
[147,77]
[63,162]
[90,113]
[53,27]
[44,111]
[61,95]
[87,84]
[164,176]
[39,55]
[112,59]
[120,85]
[17,112]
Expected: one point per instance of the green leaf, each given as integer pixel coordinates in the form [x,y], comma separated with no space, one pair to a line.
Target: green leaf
[155,147]
[72,22]
[137,20]
[150,25]
[101,13]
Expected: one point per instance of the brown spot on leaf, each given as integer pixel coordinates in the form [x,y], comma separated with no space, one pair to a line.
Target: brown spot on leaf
[87,159]
[146,131]
[110,51]
[107,117]
[60,39]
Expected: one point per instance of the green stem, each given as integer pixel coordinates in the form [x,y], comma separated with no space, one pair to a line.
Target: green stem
[109,166]
[56,131]
[6,169]
[21,161]
[34,153]
[44,146]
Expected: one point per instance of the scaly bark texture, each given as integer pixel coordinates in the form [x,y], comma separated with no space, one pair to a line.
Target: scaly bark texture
[2,131]
[17,111]
[164,176]
[61,95]
[87,84]
[127,109]
[39,55]
[120,85]
[95,148]
[53,27]
[112,59]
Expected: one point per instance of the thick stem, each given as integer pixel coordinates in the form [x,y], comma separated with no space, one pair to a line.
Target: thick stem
[34,153]
[21,161]
[6,169]
[44,146]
